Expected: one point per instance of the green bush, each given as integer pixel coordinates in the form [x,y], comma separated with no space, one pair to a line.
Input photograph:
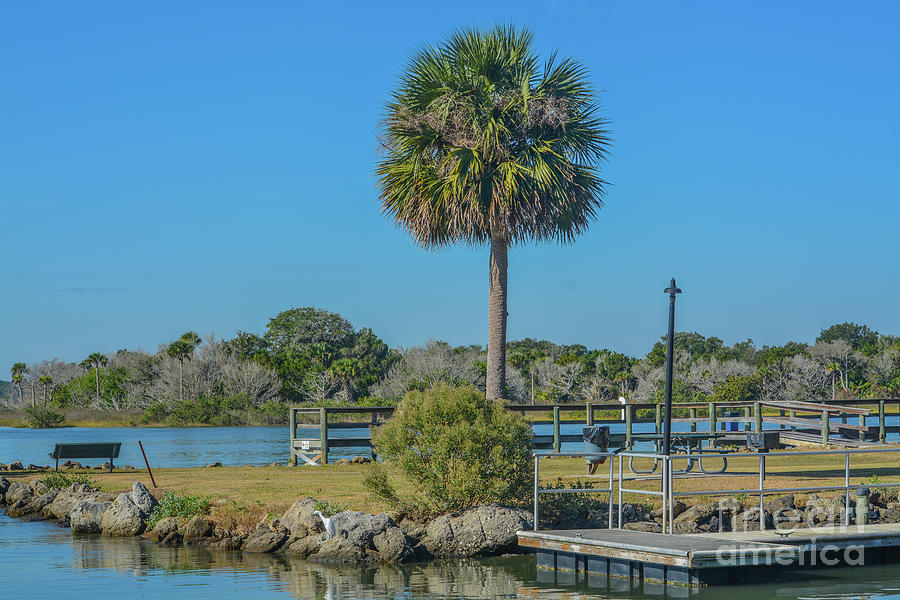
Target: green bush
[456,448]
[59,481]
[184,506]
[38,417]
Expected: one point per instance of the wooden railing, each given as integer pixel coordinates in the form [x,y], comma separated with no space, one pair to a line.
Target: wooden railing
[795,418]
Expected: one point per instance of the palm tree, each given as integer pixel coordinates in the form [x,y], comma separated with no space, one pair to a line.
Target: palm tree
[46,381]
[96,360]
[17,372]
[833,368]
[345,371]
[484,145]
[181,349]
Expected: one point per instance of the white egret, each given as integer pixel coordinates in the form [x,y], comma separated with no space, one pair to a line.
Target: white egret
[328,523]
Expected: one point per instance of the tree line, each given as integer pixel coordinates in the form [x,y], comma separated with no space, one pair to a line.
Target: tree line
[313,356]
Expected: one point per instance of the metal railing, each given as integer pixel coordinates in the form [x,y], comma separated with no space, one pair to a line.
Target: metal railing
[594,455]
[669,475]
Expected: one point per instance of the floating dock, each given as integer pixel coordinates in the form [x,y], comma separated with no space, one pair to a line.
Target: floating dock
[597,556]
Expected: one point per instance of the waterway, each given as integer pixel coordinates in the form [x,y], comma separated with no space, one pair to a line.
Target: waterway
[42,560]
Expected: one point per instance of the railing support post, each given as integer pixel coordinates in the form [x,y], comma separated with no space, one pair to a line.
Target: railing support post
[537,461]
[629,417]
[712,417]
[746,410]
[556,443]
[323,433]
[757,417]
[693,420]
[658,419]
[293,425]
[862,423]
[881,420]
[824,427]
[762,480]
[589,414]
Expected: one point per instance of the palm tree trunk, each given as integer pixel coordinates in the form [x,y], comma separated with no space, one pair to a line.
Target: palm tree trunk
[348,390]
[97,373]
[181,380]
[33,404]
[496,355]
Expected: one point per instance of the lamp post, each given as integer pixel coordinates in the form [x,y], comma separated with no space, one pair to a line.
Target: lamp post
[670,341]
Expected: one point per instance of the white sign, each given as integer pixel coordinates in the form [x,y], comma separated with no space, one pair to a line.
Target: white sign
[304,444]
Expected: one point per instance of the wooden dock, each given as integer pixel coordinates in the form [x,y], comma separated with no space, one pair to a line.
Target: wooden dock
[704,559]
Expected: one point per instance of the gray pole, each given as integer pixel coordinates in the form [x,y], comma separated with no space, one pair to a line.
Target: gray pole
[670,341]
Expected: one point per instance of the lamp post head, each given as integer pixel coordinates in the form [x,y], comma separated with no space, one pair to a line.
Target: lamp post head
[672,289]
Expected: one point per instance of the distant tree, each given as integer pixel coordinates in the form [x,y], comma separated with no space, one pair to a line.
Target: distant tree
[860,337]
[97,360]
[483,146]
[345,371]
[17,372]
[183,349]
[46,382]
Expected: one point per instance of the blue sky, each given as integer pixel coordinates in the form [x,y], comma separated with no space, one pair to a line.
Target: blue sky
[204,165]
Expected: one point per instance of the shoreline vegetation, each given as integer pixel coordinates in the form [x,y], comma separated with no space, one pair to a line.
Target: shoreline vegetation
[312,357]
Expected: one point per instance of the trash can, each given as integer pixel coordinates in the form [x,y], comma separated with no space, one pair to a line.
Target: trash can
[596,439]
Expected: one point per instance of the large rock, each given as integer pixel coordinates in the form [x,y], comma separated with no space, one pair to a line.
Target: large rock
[86,516]
[342,550]
[37,503]
[122,519]
[697,518]
[164,527]
[38,487]
[265,538]
[18,491]
[649,526]
[359,527]
[300,520]
[303,547]
[478,531]
[196,529]
[67,498]
[393,545]
[143,499]
[4,485]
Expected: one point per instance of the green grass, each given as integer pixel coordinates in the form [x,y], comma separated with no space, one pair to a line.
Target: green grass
[183,506]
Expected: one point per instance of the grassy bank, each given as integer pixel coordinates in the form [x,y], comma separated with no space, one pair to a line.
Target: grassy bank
[105,418]
[244,495]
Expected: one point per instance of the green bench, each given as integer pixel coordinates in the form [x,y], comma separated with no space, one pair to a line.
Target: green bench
[108,450]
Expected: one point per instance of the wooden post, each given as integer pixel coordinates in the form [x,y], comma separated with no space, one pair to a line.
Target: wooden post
[658,419]
[372,432]
[323,433]
[824,427]
[757,417]
[781,414]
[629,416]
[862,423]
[881,420]
[693,420]
[293,425]
[589,416]
[746,410]
[712,417]
[793,416]
[556,444]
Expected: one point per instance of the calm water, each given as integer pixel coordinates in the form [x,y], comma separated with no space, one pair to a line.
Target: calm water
[41,560]
[198,446]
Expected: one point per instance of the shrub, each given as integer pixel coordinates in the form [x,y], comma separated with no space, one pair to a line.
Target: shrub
[38,417]
[59,481]
[184,506]
[456,448]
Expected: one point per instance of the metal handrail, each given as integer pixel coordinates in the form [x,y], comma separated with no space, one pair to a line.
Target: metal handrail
[762,490]
[538,491]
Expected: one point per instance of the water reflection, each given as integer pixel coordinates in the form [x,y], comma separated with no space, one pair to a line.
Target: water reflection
[44,561]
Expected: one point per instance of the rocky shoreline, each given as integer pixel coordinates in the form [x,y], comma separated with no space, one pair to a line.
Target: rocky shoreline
[363,538]
[484,530]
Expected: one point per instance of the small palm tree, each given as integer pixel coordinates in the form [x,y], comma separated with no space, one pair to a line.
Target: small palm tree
[346,371]
[181,349]
[833,368]
[46,381]
[17,373]
[483,144]
[96,360]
